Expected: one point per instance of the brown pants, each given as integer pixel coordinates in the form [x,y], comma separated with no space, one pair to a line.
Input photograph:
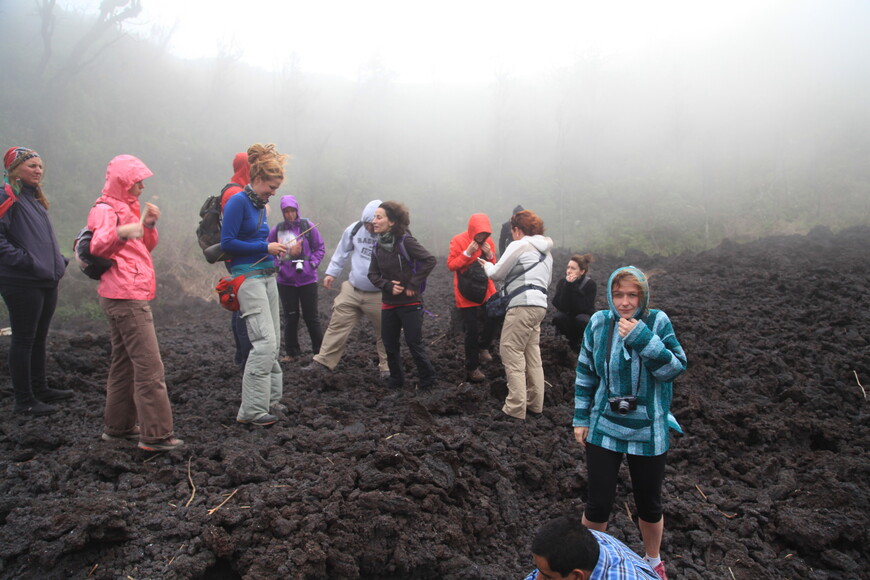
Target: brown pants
[135,391]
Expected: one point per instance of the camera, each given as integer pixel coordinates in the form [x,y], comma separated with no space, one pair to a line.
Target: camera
[299,264]
[622,405]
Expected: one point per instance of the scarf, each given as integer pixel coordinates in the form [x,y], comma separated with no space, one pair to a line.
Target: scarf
[258,202]
[387,241]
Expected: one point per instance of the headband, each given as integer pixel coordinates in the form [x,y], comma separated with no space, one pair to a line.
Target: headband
[15,156]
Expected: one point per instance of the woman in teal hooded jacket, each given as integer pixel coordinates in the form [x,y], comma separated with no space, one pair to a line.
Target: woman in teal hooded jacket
[625,371]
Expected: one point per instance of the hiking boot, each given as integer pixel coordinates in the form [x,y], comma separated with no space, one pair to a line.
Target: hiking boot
[315,369]
[484,355]
[132,435]
[261,421]
[476,376]
[36,409]
[49,395]
[163,445]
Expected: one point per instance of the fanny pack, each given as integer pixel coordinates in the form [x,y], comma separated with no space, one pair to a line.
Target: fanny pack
[227,287]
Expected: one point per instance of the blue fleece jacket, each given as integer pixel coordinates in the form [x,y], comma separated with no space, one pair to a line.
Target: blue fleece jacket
[244,230]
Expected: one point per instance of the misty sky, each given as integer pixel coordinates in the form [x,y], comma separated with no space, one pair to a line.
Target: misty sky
[447,41]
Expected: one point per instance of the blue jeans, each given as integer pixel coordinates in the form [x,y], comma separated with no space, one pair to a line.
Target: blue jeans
[30,313]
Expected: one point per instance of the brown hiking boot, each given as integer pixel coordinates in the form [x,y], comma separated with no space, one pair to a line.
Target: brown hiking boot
[476,376]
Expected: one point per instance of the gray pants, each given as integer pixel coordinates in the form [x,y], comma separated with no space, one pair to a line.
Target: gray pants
[263,381]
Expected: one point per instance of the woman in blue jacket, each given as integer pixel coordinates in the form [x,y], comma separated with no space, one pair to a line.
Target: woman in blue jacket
[31,267]
[244,230]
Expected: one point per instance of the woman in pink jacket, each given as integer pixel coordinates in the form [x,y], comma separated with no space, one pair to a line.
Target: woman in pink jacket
[137,404]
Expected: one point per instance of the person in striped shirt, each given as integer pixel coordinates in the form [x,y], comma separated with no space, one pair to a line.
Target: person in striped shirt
[622,398]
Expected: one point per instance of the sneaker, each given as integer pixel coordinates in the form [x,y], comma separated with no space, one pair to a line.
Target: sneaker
[162,445]
[476,376]
[660,570]
[36,409]
[49,395]
[484,355]
[279,408]
[132,435]
[261,421]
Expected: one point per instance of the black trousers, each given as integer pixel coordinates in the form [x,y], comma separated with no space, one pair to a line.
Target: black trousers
[571,327]
[291,299]
[409,319]
[30,313]
[647,474]
[474,319]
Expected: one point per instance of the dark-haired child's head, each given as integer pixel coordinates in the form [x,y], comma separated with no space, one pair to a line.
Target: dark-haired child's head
[564,548]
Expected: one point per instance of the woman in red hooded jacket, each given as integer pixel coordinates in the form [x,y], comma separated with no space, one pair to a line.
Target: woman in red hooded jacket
[465,249]
[137,403]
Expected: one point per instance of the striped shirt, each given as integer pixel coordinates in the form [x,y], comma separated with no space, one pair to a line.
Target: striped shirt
[643,365]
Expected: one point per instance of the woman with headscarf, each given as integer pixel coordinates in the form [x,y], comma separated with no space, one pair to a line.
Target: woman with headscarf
[31,267]
[137,402]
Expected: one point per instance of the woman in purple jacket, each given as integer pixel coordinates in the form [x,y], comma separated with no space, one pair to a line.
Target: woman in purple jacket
[297,275]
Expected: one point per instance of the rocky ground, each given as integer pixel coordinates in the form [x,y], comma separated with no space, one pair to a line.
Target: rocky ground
[357,481]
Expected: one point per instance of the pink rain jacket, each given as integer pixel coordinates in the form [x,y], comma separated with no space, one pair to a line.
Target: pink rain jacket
[132,276]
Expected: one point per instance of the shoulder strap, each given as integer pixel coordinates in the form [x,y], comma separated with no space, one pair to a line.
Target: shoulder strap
[583,283]
[229,185]
[541,259]
[356,228]
[402,250]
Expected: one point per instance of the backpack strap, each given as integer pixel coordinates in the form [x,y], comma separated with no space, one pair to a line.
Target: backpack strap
[229,185]
[356,228]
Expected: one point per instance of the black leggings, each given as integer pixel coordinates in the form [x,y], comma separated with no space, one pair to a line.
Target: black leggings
[647,474]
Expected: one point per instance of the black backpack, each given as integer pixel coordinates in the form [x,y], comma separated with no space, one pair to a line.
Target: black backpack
[208,232]
[93,266]
[473,283]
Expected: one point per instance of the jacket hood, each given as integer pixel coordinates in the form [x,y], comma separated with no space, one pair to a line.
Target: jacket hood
[541,243]
[289,201]
[368,214]
[123,171]
[478,223]
[643,308]
[241,170]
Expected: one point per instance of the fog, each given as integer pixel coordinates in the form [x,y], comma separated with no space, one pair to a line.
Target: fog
[766,130]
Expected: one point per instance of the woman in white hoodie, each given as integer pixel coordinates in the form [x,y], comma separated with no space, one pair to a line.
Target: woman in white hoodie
[526,267]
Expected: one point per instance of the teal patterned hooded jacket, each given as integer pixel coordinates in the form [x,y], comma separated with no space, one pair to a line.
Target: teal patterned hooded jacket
[643,364]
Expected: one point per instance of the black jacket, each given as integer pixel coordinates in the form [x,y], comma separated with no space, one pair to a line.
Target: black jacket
[29,252]
[387,266]
[573,300]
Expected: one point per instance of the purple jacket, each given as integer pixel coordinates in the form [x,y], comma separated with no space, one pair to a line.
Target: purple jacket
[313,248]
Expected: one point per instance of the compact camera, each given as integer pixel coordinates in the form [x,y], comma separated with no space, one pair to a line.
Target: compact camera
[622,405]
[299,264]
